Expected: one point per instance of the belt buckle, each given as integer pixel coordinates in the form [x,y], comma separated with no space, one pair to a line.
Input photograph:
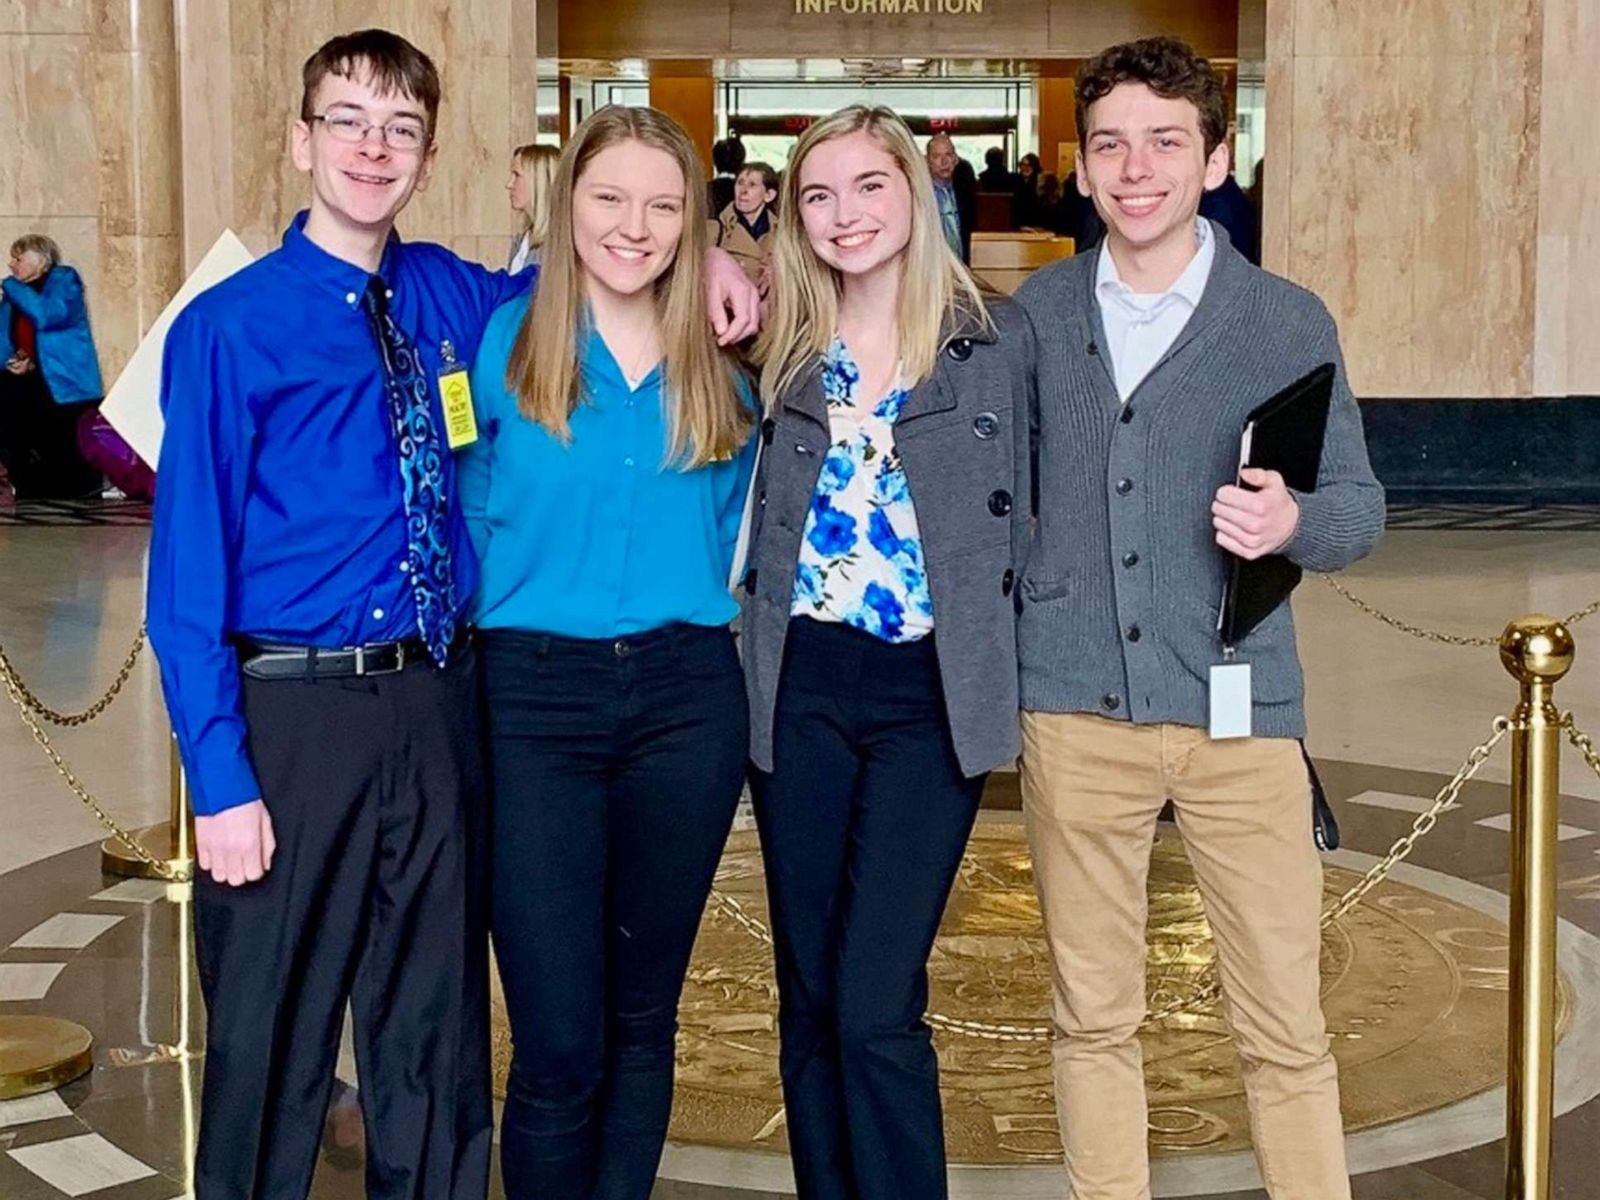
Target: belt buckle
[362,667]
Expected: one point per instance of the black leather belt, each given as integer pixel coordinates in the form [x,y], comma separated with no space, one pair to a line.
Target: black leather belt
[264,660]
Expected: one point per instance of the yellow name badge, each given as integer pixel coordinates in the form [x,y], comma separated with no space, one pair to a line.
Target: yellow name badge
[455,394]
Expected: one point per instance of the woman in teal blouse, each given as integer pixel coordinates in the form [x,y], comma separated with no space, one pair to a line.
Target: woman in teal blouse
[604,495]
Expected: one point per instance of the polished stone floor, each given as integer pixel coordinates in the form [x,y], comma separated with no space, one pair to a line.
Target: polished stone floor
[1391,718]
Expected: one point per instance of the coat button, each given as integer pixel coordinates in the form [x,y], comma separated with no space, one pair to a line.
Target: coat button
[750,582]
[1006,581]
[767,428]
[1131,559]
[960,349]
[1111,702]
[986,425]
[1127,413]
[1134,633]
[1000,503]
[1124,486]
[801,448]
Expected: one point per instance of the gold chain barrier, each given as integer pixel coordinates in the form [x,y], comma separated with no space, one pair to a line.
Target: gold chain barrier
[1434,635]
[1581,742]
[34,712]
[1208,993]
[25,700]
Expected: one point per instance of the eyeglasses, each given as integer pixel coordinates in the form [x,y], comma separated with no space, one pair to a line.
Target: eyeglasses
[401,135]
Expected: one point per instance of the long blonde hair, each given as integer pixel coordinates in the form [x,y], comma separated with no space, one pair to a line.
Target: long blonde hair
[707,421]
[537,166]
[934,285]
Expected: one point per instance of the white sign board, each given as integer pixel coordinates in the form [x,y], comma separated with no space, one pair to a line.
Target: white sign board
[133,405]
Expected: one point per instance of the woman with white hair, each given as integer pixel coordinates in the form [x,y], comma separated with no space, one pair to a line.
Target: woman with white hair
[51,376]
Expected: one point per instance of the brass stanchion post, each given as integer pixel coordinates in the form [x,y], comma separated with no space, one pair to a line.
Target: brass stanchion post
[1537,651]
[171,842]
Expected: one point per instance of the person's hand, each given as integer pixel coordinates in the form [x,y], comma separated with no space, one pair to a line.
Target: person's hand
[734,301]
[19,364]
[236,844]
[1254,524]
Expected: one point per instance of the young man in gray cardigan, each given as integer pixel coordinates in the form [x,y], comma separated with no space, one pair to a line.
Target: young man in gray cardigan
[1152,350]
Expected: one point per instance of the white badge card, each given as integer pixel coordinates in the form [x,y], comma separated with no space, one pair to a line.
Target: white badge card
[1230,700]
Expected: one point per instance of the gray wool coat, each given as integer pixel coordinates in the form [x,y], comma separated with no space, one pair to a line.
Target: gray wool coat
[964,439]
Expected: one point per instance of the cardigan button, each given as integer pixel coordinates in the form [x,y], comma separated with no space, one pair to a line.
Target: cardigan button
[960,349]
[986,425]
[1127,414]
[1006,581]
[750,582]
[801,448]
[1131,559]
[1000,503]
[1124,486]
[767,428]
[1111,702]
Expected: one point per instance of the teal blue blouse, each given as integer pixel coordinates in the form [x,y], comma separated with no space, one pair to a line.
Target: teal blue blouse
[600,537]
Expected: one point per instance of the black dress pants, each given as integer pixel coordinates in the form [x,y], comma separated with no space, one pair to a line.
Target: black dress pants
[39,441]
[617,766]
[376,896]
[863,823]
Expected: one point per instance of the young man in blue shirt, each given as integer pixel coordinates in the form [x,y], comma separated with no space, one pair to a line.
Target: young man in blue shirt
[309,569]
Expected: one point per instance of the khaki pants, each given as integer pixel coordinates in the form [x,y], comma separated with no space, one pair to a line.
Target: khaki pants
[1092,789]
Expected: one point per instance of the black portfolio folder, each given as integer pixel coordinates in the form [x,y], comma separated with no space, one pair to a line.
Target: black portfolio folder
[1283,435]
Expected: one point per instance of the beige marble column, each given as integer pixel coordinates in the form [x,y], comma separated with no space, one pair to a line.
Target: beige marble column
[134,61]
[89,158]
[1403,184]
[1566,348]
[240,87]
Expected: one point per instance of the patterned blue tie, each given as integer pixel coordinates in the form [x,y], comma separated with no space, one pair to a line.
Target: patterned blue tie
[422,475]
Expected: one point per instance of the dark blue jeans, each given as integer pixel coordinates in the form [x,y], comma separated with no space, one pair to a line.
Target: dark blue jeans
[863,823]
[616,768]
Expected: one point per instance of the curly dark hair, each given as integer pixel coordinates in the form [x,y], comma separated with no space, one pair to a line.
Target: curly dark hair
[1168,67]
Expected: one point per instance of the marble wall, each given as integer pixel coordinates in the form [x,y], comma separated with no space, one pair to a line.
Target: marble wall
[1428,168]
[140,129]
[1429,173]
[89,89]
[240,94]
[1566,350]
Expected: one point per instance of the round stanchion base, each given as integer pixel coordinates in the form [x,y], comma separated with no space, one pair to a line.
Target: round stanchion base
[117,859]
[40,1054]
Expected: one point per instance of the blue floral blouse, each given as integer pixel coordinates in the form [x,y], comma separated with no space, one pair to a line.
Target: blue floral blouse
[861,555]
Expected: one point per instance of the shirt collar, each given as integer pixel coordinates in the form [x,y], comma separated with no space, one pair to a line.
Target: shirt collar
[601,367]
[1189,286]
[344,279]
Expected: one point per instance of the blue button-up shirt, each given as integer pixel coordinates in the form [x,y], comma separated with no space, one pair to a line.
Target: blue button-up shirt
[599,537]
[279,510]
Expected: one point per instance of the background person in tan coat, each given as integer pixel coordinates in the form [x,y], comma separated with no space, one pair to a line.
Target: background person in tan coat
[745,227]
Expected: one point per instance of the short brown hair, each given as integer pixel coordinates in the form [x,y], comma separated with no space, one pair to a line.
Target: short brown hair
[1168,67]
[390,63]
[769,177]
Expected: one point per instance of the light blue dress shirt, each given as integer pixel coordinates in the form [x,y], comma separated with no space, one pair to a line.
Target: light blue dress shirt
[601,537]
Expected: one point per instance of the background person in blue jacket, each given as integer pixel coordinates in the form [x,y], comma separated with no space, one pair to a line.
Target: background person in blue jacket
[51,377]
